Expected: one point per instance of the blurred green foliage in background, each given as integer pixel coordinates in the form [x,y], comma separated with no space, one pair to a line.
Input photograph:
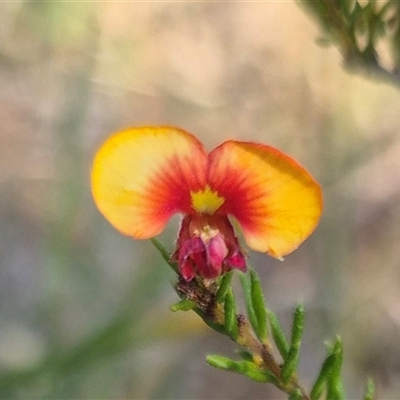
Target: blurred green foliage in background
[84,311]
[367,34]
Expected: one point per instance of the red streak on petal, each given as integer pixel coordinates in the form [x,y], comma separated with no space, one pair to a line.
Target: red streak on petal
[275,200]
[142,176]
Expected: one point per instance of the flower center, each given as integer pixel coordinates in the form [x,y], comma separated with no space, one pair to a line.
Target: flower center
[206,201]
[207,247]
[206,233]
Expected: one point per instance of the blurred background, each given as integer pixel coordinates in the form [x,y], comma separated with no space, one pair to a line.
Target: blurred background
[84,311]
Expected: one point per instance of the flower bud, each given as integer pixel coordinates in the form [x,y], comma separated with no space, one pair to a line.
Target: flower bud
[207,247]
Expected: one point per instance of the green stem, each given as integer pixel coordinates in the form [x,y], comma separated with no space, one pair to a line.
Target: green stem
[165,254]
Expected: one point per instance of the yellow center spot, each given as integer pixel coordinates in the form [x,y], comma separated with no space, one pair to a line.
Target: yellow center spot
[206,201]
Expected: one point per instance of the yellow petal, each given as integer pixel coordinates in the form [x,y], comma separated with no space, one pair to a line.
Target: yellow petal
[276,201]
[142,176]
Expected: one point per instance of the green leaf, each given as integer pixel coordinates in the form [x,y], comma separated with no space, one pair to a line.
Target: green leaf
[369,393]
[165,254]
[255,304]
[355,15]
[255,373]
[335,389]
[298,324]
[320,383]
[344,6]
[216,327]
[245,355]
[278,334]
[258,302]
[246,285]
[183,305]
[221,362]
[290,363]
[224,286]
[246,368]
[296,395]
[230,315]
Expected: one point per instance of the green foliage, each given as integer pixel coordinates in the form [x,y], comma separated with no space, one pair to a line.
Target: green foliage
[164,253]
[329,377]
[258,304]
[369,390]
[246,368]
[245,355]
[278,334]
[334,382]
[358,28]
[320,383]
[183,305]
[215,326]
[255,304]
[230,315]
[224,286]
[246,286]
[217,307]
[291,360]
[295,395]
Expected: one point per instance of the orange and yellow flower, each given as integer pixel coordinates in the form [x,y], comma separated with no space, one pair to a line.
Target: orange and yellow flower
[141,177]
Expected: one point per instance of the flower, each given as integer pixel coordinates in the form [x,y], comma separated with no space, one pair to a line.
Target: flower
[142,176]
